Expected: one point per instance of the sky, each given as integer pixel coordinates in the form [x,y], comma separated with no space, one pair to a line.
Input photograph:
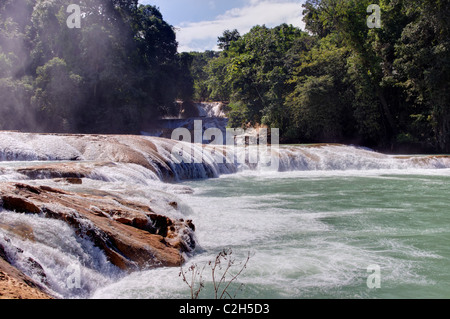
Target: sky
[198,23]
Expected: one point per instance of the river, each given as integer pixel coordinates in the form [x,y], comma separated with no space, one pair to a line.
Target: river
[315,235]
[334,221]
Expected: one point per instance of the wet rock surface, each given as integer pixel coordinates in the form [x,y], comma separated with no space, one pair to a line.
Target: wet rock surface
[130,234]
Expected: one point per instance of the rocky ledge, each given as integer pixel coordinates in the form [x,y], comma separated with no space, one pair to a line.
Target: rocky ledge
[131,235]
[15,285]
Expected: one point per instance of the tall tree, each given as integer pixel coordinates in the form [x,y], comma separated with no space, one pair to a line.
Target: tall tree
[121,68]
[423,68]
[225,40]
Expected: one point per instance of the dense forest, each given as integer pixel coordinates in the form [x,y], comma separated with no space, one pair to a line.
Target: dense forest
[339,80]
[336,81]
[119,70]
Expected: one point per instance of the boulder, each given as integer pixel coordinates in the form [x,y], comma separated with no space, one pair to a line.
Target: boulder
[132,236]
[15,285]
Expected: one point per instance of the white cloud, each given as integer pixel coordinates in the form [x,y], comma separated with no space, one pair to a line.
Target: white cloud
[200,36]
[212,4]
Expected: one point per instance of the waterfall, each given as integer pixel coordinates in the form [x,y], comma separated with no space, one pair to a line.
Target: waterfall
[52,254]
[211,109]
[342,158]
[146,170]
[144,158]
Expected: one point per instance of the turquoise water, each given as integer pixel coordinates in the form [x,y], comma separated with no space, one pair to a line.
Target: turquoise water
[313,235]
[317,231]
[310,234]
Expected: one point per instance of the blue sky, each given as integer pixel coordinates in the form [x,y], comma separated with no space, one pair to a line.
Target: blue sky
[200,22]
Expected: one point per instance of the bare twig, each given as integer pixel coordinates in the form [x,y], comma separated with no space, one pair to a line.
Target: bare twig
[196,272]
[220,269]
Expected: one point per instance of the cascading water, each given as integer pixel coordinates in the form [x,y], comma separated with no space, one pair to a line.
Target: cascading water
[160,160]
[342,158]
[253,207]
[51,253]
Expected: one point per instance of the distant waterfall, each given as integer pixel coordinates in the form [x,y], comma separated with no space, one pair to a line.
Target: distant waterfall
[211,109]
[143,158]
[342,158]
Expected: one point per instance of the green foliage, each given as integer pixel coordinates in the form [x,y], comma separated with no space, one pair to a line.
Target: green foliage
[196,75]
[342,81]
[228,37]
[400,73]
[423,70]
[320,104]
[253,71]
[56,92]
[16,95]
[338,81]
[116,74]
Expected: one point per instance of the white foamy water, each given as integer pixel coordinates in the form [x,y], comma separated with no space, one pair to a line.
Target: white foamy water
[312,227]
[61,254]
[211,110]
[197,161]
[314,235]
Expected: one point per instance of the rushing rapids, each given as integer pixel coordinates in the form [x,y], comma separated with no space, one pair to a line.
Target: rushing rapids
[155,155]
[68,200]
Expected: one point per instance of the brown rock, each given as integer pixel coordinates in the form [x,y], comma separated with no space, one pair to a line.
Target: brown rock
[174,205]
[70,180]
[68,171]
[15,285]
[131,235]
[19,204]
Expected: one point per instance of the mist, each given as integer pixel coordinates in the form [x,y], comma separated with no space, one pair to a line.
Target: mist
[117,72]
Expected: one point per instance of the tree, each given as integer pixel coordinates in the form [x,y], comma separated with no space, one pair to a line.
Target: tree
[196,73]
[348,18]
[123,64]
[15,83]
[56,92]
[157,56]
[224,41]
[320,106]
[423,70]
[253,71]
